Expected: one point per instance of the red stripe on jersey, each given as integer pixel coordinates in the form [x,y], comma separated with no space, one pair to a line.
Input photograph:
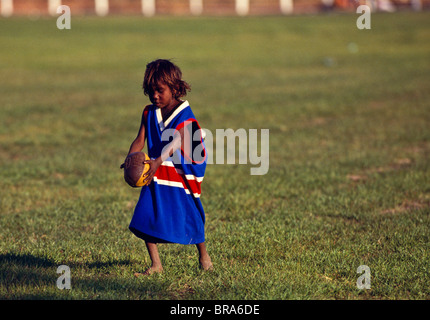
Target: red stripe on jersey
[169,173]
[190,140]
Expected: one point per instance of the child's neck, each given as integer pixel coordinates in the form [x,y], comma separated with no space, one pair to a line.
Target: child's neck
[167,111]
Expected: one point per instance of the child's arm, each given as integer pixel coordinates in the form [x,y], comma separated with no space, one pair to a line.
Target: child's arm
[138,143]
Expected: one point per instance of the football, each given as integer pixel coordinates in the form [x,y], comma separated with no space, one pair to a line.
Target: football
[135,170]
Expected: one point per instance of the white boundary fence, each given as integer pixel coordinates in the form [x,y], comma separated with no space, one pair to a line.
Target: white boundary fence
[196,7]
[148,7]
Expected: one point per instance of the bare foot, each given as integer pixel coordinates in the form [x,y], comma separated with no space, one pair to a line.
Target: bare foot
[204,258]
[206,264]
[149,271]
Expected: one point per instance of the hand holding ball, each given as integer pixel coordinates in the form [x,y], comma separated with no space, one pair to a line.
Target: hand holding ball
[135,169]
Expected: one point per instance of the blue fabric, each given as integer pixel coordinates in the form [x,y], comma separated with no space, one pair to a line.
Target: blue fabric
[169,208]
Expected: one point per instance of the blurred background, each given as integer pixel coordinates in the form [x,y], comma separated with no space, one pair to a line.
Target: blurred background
[202,7]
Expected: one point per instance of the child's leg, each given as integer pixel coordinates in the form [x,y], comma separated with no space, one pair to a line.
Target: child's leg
[155,258]
[204,259]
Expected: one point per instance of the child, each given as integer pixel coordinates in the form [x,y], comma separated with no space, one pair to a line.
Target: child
[169,208]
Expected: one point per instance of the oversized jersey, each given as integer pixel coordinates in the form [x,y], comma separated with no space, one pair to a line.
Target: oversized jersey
[169,208]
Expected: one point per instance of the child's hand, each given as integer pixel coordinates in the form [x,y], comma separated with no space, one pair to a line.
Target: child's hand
[153,167]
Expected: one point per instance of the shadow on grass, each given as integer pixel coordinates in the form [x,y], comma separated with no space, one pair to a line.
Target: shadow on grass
[24,276]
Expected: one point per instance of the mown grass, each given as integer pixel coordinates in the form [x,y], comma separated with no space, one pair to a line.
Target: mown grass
[348,184]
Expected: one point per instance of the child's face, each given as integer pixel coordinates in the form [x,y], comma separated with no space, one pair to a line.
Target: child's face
[161,96]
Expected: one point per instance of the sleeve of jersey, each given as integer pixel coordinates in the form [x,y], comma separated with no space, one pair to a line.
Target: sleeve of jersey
[145,113]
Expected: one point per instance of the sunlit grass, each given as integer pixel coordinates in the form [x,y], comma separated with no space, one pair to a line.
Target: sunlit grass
[348,183]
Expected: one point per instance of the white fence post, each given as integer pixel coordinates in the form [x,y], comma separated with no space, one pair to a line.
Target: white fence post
[6,8]
[52,6]
[102,7]
[148,8]
[286,6]
[416,5]
[242,7]
[196,7]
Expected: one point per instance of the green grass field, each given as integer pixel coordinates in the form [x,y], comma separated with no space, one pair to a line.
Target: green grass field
[349,179]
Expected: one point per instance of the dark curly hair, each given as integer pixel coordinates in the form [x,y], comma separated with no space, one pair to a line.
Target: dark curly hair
[166,72]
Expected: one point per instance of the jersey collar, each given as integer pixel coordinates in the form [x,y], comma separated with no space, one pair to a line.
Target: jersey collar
[163,124]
